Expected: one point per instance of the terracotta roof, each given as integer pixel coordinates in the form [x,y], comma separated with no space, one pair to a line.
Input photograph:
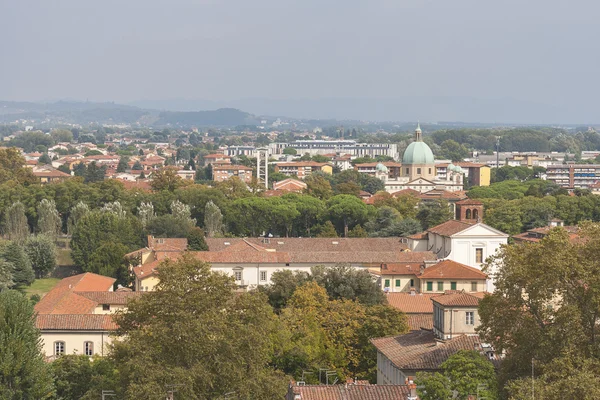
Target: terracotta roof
[406,192]
[417,303]
[418,350]
[374,164]
[289,181]
[138,184]
[450,228]
[62,299]
[313,244]
[88,322]
[352,392]
[400,269]
[470,202]
[167,244]
[419,236]
[417,322]
[442,194]
[116,298]
[301,164]
[216,156]
[458,299]
[449,269]
[50,173]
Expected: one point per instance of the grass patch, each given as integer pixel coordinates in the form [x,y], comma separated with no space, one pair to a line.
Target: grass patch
[41,286]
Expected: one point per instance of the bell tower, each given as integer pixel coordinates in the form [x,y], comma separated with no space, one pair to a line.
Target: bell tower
[470,211]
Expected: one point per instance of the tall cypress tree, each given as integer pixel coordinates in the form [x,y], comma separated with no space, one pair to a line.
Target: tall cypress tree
[23,372]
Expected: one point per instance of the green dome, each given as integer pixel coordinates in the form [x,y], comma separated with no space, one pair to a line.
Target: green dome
[381,167]
[417,153]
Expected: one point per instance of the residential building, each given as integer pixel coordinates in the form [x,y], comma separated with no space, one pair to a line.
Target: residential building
[290,185]
[223,172]
[393,168]
[302,169]
[252,261]
[353,390]
[48,174]
[475,173]
[455,318]
[216,159]
[455,314]
[75,316]
[574,176]
[536,234]
[314,147]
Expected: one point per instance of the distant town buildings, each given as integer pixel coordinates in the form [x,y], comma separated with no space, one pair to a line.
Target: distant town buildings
[314,147]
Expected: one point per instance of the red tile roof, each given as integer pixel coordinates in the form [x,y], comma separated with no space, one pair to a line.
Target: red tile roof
[62,299]
[352,392]
[116,298]
[450,228]
[292,245]
[417,322]
[417,303]
[419,350]
[443,194]
[449,269]
[86,322]
[458,299]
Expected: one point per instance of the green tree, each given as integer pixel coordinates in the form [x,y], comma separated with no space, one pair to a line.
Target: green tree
[165,179]
[347,210]
[283,285]
[22,273]
[76,213]
[546,302]
[290,151]
[213,220]
[23,372]
[464,373]
[15,222]
[61,135]
[123,164]
[327,230]
[49,222]
[137,166]
[96,230]
[433,213]
[77,377]
[193,316]
[12,168]
[6,274]
[45,159]
[346,282]
[145,213]
[195,238]
[453,150]
[41,251]
[318,186]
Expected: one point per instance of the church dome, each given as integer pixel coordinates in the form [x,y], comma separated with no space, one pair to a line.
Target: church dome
[417,153]
[381,167]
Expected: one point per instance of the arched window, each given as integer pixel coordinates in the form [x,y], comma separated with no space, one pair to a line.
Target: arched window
[59,348]
[475,214]
[468,214]
[88,348]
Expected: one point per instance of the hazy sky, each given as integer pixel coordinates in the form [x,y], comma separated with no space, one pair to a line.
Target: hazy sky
[540,51]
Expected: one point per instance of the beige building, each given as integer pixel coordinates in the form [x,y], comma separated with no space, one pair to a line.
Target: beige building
[223,172]
[302,169]
[455,314]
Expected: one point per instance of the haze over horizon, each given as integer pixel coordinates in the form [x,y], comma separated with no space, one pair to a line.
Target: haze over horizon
[465,60]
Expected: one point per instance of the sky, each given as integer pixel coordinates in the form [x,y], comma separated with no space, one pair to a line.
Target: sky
[387,59]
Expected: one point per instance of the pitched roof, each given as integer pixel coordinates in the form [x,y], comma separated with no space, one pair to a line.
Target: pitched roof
[412,303]
[450,227]
[76,322]
[116,298]
[417,322]
[293,245]
[449,269]
[352,392]
[457,299]
[231,168]
[419,350]
[442,194]
[301,164]
[469,202]
[62,299]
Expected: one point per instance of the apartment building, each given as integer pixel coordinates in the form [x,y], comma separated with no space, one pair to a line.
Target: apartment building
[302,169]
[574,176]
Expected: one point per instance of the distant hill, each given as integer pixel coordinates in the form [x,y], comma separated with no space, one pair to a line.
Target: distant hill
[220,117]
[110,113]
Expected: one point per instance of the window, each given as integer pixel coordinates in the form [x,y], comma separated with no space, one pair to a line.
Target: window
[397,282]
[473,286]
[468,214]
[238,275]
[452,285]
[59,348]
[429,171]
[419,171]
[88,348]
[440,286]
[263,276]
[406,171]
[475,214]
[412,283]
[386,283]
[479,255]
[429,286]
[470,318]
[106,307]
